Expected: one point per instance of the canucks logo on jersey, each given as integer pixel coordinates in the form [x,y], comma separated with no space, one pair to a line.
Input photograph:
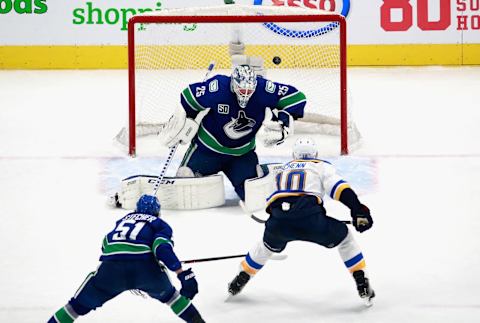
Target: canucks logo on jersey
[239,127]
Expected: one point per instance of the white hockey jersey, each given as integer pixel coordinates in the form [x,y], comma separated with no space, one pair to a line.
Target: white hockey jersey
[308,177]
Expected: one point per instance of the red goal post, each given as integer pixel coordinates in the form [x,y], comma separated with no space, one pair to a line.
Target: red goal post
[177,59]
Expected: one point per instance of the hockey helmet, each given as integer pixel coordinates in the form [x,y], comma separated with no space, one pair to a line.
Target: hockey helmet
[305,148]
[148,204]
[243,83]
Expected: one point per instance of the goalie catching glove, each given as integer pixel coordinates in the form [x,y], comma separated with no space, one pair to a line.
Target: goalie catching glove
[277,129]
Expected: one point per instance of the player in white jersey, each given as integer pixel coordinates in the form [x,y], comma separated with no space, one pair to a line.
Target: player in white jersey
[297,214]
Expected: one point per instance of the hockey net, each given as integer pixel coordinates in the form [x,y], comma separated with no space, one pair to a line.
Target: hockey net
[172,48]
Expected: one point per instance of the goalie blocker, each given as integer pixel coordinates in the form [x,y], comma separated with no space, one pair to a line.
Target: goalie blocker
[174,193]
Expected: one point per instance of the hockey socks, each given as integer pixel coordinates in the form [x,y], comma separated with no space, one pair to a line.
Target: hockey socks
[350,253]
[184,308]
[64,315]
[256,259]
[355,263]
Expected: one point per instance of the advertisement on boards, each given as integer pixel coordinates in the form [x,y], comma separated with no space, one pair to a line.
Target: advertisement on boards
[104,22]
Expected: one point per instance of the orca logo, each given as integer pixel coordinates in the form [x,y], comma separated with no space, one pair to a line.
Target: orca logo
[240,127]
[283,31]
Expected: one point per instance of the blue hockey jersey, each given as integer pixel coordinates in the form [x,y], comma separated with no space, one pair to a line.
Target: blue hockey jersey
[227,128]
[140,236]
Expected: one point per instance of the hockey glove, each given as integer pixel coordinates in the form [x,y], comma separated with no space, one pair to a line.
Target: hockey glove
[186,134]
[277,129]
[189,283]
[362,220]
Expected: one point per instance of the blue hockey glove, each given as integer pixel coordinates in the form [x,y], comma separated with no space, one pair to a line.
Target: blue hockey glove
[189,283]
[362,220]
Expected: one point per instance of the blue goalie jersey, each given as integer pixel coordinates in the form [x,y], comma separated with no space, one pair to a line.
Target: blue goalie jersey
[229,129]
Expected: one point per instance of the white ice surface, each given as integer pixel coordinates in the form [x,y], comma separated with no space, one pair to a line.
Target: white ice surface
[418,170]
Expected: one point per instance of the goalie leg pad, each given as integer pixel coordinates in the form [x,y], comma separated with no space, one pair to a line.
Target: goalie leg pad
[258,189]
[184,171]
[174,193]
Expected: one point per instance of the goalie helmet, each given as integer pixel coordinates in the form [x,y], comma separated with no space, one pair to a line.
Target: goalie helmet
[243,83]
[148,204]
[305,148]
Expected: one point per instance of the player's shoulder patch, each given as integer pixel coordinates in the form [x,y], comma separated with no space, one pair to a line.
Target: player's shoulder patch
[218,83]
[270,87]
[213,86]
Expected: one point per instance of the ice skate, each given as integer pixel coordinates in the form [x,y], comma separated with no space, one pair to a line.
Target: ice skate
[363,287]
[238,283]
[197,319]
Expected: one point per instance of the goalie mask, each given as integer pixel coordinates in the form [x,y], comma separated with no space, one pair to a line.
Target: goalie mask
[243,83]
[305,148]
[148,204]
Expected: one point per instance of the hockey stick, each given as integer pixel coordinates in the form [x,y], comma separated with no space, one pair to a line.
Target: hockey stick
[173,149]
[257,219]
[171,153]
[191,261]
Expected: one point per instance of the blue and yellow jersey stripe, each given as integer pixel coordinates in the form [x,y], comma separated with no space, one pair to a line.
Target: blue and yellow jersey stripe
[338,188]
[289,193]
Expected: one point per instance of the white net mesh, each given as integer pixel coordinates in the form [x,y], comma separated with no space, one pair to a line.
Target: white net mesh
[169,56]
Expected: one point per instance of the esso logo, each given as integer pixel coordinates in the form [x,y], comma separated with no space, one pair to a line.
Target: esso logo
[328,5]
[340,6]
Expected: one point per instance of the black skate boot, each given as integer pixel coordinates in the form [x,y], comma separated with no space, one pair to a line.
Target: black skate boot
[363,287]
[237,284]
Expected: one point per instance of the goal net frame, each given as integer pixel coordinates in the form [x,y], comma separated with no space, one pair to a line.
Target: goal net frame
[185,19]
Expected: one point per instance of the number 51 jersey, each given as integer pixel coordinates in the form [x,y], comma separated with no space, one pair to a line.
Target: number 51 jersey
[308,177]
[140,236]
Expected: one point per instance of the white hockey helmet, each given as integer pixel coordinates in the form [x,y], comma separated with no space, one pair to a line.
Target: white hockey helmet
[243,83]
[305,148]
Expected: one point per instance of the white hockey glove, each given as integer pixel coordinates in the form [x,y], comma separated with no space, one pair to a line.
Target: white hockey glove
[186,134]
[277,129]
[189,130]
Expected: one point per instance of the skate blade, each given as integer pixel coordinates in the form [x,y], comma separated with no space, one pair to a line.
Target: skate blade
[368,302]
[229,298]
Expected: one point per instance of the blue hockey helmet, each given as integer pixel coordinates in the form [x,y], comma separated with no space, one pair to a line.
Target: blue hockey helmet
[148,204]
[243,83]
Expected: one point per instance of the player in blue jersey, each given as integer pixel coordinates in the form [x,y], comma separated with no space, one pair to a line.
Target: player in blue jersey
[297,214]
[134,256]
[225,138]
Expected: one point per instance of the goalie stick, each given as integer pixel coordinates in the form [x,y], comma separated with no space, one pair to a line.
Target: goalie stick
[191,261]
[173,149]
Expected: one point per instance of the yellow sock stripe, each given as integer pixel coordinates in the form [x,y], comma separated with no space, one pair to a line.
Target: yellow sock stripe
[339,190]
[358,266]
[248,269]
